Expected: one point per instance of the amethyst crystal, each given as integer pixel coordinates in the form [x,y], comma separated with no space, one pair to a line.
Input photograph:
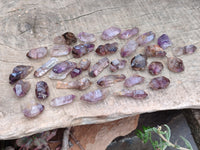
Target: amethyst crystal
[37,53]
[159,83]
[19,72]
[21,88]
[59,101]
[42,90]
[32,110]
[135,94]
[86,37]
[63,67]
[129,33]
[109,80]
[145,38]
[106,49]
[164,41]
[82,49]
[110,33]
[154,51]
[129,48]
[75,72]
[70,38]
[117,64]
[133,80]
[84,64]
[60,50]
[155,68]
[139,62]
[175,64]
[184,50]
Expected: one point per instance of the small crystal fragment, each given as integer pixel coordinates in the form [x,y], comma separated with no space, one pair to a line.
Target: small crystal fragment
[159,83]
[95,96]
[21,88]
[139,62]
[117,64]
[60,40]
[110,33]
[84,64]
[70,38]
[109,80]
[175,64]
[106,49]
[129,48]
[155,68]
[59,101]
[32,110]
[75,72]
[42,90]
[82,49]
[80,84]
[86,37]
[97,68]
[135,94]
[164,41]
[128,33]
[154,51]
[133,80]
[189,49]
[45,67]
[60,50]
[145,38]
[19,72]
[37,53]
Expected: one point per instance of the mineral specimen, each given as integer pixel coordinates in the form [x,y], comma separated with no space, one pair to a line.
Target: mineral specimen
[21,88]
[37,53]
[86,37]
[175,64]
[159,83]
[45,67]
[135,94]
[155,68]
[60,40]
[60,50]
[139,62]
[164,41]
[84,64]
[32,110]
[75,72]
[129,48]
[42,90]
[154,51]
[106,49]
[110,33]
[128,33]
[117,64]
[145,38]
[19,72]
[109,80]
[82,49]
[189,49]
[70,38]
[133,80]
[59,101]
[95,96]
[97,68]
[80,84]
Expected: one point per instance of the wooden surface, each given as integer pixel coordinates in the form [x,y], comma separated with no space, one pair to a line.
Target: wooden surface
[34,23]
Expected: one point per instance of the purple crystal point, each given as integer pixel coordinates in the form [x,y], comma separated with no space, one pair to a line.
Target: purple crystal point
[86,37]
[145,38]
[75,72]
[164,41]
[42,90]
[128,33]
[21,88]
[110,33]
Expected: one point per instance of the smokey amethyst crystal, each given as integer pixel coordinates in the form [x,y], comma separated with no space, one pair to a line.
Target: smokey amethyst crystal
[70,38]
[159,83]
[82,49]
[154,51]
[175,64]
[106,49]
[133,80]
[117,64]
[129,48]
[164,41]
[128,33]
[145,38]
[110,33]
[42,90]
[21,88]
[75,72]
[139,62]
[155,68]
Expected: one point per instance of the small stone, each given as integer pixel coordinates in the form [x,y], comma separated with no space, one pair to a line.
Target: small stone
[159,83]
[84,64]
[86,37]
[95,96]
[59,101]
[133,80]
[32,110]
[60,40]
[139,62]
[129,48]
[75,72]
[128,33]
[21,88]
[37,53]
[109,80]
[19,72]
[110,33]
[70,38]
[60,50]
[175,64]
[82,49]
[154,51]
[106,49]
[184,50]
[135,94]
[155,68]
[145,38]
[65,66]
[117,64]
[164,41]
[42,90]
[97,68]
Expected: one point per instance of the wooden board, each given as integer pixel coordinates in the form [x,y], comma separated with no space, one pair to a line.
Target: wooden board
[34,23]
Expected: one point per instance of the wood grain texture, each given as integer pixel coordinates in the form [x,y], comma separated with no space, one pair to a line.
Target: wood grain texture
[34,23]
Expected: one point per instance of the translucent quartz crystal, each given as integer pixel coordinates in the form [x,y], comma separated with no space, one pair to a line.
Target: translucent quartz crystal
[63,100]
[37,53]
[145,38]
[21,88]
[60,50]
[110,33]
[117,64]
[164,41]
[82,49]
[86,37]
[129,48]
[128,33]
[135,94]
[133,80]
[32,109]
[189,49]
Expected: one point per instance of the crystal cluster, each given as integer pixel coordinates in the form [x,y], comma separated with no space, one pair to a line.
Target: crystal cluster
[42,90]
[133,80]
[106,49]
[129,48]
[159,83]
[164,41]
[128,33]
[135,94]
[117,64]
[139,62]
[63,100]
[110,33]
[155,68]
[37,53]
[82,49]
